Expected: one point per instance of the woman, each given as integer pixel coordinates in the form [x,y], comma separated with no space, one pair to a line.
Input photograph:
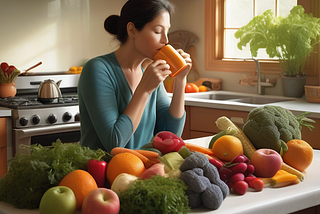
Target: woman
[121,104]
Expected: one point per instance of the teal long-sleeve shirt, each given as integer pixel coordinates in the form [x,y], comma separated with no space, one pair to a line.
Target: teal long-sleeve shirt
[104,94]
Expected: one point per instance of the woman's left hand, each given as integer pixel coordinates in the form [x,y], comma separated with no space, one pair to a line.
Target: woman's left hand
[188,60]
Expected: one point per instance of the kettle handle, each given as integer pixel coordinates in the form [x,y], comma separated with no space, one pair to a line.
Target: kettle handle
[58,83]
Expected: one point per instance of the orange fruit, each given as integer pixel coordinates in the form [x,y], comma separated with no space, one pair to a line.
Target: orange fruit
[80,182]
[202,88]
[191,88]
[227,147]
[299,154]
[124,163]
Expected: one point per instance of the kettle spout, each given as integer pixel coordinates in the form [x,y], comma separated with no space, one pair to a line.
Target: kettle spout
[58,83]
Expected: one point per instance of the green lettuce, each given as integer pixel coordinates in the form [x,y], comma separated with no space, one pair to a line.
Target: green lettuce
[291,39]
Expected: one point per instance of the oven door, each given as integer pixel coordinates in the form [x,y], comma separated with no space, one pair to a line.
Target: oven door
[45,136]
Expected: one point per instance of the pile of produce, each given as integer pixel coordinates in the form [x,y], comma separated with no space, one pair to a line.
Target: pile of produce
[166,175]
[29,176]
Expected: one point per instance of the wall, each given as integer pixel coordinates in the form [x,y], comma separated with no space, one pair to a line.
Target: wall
[63,33]
[190,16]
[60,33]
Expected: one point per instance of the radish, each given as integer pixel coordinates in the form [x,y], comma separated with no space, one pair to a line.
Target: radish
[240,187]
[236,177]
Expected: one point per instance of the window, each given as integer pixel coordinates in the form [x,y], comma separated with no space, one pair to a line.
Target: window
[239,12]
[217,30]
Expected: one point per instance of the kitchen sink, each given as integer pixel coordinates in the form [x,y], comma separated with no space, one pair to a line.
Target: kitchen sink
[239,97]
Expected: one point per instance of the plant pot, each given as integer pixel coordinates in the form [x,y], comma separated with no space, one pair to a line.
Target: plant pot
[293,86]
[7,90]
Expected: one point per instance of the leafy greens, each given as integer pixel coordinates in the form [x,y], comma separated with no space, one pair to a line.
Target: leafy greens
[29,176]
[155,195]
[291,39]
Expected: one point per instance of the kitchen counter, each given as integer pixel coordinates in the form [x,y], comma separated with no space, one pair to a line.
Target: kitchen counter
[297,106]
[5,112]
[269,200]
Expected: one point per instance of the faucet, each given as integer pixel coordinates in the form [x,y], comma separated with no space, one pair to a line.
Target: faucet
[259,76]
[260,84]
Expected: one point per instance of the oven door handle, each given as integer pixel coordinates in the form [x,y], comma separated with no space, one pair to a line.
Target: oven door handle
[28,132]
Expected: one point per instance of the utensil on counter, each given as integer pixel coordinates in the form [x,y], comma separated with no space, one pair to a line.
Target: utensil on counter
[32,67]
[49,91]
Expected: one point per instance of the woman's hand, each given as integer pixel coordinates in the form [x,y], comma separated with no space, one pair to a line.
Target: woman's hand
[155,73]
[188,60]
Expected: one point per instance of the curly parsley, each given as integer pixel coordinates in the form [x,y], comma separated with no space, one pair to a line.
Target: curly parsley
[155,195]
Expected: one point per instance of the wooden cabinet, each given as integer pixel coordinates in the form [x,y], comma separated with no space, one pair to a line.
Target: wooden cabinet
[3,147]
[312,137]
[200,122]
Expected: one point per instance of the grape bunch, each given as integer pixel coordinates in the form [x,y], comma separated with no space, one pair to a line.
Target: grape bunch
[238,174]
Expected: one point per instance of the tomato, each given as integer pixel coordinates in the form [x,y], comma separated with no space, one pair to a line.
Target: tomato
[240,187]
[191,88]
[257,184]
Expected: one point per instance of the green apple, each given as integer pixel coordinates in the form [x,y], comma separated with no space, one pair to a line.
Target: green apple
[58,199]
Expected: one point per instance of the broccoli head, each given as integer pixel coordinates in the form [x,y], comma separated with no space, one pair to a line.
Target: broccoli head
[271,127]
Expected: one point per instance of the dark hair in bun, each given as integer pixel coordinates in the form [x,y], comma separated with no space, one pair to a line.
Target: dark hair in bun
[139,12]
[110,24]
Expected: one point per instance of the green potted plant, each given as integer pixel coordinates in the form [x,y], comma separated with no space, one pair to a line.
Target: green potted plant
[291,39]
[8,74]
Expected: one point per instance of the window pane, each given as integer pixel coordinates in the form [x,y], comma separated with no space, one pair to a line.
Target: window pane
[232,50]
[238,13]
[284,7]
[263,5]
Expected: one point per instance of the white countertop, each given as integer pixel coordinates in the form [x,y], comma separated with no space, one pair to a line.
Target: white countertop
[296,106]
[269,200]
[5,112]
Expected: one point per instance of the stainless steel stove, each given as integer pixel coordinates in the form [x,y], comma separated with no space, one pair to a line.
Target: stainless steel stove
[35,122]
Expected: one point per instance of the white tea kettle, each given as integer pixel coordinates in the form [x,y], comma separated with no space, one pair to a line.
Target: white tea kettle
[49,91]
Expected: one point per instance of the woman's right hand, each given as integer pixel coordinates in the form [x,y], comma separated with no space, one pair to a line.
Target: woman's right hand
[155,73]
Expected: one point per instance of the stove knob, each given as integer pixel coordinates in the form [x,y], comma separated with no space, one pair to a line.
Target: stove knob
[23,121]
[36,119]
[77,117]
[52,119]
[67,116]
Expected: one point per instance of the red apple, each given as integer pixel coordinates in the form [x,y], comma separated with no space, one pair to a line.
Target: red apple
[266,162]
[101,200]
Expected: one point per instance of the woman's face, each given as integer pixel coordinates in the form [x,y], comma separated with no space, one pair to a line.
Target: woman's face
[153,36]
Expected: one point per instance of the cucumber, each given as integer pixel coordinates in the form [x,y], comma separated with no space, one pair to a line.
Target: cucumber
[215,137]
[184,152]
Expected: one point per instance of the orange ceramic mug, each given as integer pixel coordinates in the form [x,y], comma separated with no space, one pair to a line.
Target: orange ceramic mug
[173,58]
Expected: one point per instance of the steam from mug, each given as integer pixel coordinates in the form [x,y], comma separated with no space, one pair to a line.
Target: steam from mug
[173,58]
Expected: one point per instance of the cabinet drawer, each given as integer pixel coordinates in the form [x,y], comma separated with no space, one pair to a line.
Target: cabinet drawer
[3,132]
[3,161]
[203,119]
[312,137]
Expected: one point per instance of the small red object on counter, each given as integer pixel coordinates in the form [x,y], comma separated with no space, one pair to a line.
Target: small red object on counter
[98,171]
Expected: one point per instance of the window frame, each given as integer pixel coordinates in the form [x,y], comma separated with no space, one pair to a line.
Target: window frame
[214,35]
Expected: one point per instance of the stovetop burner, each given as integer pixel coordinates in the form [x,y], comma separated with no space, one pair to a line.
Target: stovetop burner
[24,102]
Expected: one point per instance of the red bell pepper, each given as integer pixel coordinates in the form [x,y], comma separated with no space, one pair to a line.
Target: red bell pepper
[166,142]
[98,171]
